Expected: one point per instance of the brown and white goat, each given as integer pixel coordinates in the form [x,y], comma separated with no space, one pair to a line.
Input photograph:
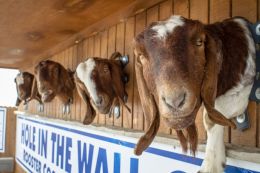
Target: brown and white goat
[100,83]
[182,63]
[53,79]
[26,91]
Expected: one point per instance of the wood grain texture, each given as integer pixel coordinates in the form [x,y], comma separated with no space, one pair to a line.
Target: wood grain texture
[247,138]
[165,9]
[153,16]
[77,99]
[181,7]
[129,35]
[247,9]
[120,47]
[215,16]
[10,133]
[219,10]
[138,116]
[111,49]
[103,54]
[258,125]
[199,10]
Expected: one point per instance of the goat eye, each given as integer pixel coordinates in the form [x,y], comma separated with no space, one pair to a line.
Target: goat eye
[199,42]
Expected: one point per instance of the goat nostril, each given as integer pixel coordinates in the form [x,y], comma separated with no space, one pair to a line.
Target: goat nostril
[167,103]
[99,101]
[176,102]
[180,100]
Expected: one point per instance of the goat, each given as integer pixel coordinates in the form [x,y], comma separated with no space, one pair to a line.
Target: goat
[101,85]
[24,86]
[182,63]
[53,79]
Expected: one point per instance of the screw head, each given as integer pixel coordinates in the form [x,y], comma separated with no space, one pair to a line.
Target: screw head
[257,29]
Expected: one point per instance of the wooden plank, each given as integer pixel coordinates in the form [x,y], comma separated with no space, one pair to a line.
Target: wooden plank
[138,116]
[55,104]
[153,16]
[60,60]
[165,9]
[120,47]
[215,7]
[181,7]
[96,54]
[199,10]
[70,67]
[248,137]
[247,9]
[111,49]
[75,61]
[77,97]
[66,61]
[258,9]
[103,54]
[129,69]
[83,108]
[258,126]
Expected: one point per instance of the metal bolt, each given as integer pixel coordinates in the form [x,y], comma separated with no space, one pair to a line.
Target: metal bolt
[257,93]
[241,118]
[257,29]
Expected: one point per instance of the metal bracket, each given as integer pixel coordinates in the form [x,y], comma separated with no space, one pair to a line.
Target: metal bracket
[117,111]
[40,107]
[25,106]
[255,92]
[242,121]
[124,60]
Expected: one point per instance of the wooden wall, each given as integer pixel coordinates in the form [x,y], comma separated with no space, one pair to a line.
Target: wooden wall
[119,38]
[10,137]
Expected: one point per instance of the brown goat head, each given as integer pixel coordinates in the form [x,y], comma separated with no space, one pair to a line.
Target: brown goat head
[26,91]
[100,84]
[177,68]
[53,79]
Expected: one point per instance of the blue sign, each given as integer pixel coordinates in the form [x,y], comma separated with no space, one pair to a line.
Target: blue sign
[50,146]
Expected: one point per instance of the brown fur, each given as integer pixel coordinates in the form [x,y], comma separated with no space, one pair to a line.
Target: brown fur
[53,79]
[201,61]
[25,91]
[108,78]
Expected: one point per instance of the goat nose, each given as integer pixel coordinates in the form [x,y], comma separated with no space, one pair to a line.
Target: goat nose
[176,101]
[99,101]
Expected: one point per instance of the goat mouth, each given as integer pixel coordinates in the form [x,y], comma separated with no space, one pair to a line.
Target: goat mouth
[177,114]
[104,109]
[47,96]
[180,122]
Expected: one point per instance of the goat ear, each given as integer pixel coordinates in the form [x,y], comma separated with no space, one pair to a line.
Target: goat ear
[82,91]
[149,108]
[117,82]
[34,89]
[210,81]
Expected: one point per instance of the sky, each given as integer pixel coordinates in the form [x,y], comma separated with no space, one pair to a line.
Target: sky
[8,93]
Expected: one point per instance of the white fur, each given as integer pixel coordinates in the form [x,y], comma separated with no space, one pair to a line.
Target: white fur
[19,79]
[166,27]
[231,104]
[84,71]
